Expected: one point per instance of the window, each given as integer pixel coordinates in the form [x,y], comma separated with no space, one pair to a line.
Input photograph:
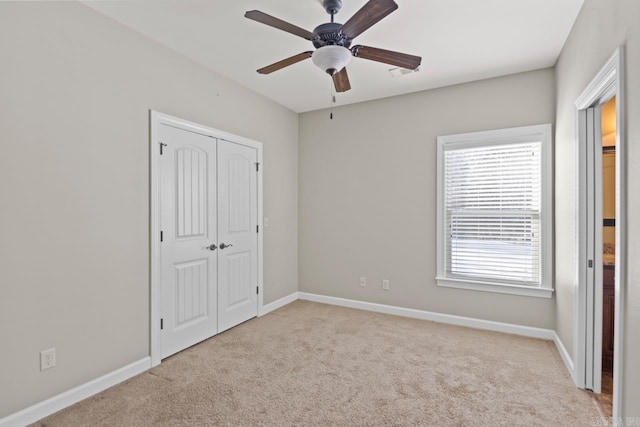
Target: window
[494,211]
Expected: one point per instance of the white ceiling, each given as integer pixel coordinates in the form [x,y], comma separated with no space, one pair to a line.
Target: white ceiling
[459,41]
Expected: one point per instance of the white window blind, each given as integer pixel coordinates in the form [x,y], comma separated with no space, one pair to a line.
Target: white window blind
[492,197]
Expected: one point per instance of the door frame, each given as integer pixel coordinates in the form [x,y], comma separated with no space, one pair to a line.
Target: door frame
[609,81]
[155,304]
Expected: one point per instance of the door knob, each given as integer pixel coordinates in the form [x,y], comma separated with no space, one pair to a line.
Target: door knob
[222,246]
[212,247]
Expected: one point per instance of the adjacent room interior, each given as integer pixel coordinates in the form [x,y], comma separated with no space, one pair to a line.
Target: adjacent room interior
[192,236]
[608,249]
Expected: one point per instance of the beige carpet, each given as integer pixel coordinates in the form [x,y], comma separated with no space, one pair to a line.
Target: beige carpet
[311,364]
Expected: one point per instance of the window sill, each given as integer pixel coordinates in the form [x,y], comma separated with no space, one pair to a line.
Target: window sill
[494,287]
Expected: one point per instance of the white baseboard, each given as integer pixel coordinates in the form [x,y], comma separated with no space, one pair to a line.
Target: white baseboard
[564,354]
[449,319]
[69,397]
[278,303]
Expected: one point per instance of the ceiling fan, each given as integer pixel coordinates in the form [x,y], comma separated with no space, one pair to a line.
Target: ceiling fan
[333,41]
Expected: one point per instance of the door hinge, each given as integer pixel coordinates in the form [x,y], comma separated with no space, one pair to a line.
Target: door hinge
[162,145]
[161,324]
[257,289]
[161,236]
[590,263]
[257,167]
[257,228]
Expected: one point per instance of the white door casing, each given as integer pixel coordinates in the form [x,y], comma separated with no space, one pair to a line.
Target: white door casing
[238,228]
[188,224]
[188,272]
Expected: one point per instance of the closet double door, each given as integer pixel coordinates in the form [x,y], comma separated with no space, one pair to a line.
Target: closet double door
[208,216]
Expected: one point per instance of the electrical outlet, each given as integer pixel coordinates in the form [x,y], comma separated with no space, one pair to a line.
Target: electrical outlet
[385,284]
[363,281]
[47,359]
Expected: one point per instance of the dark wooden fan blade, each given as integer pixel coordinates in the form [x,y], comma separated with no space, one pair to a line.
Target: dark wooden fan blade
[263,18]
[370,14]
[285,63]
[403,60]
[341,80]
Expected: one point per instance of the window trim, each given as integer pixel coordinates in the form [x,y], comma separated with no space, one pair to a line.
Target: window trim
[498,137]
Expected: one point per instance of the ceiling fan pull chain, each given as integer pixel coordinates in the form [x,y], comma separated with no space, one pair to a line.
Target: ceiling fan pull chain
[333,100]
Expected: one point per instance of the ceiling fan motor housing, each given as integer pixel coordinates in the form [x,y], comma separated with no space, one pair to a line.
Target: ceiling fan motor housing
[329,34]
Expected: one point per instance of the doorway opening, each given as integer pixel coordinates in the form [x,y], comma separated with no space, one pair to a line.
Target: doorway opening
[601,235]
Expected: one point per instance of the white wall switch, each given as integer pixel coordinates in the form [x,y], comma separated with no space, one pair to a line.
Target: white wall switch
[363,281]
[385,284]
[266,221]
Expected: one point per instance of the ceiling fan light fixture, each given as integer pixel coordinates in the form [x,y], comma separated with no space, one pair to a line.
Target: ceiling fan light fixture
[331,59]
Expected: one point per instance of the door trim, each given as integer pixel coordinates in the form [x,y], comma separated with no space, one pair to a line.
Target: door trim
[157,119]
[607,82]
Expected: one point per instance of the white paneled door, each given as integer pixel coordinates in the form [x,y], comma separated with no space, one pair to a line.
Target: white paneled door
[237,232]
[188,223]
[208,248]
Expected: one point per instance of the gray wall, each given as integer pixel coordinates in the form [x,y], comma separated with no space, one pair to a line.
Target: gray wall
[601,26]
[75,93]
[75,90]
[368,194]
